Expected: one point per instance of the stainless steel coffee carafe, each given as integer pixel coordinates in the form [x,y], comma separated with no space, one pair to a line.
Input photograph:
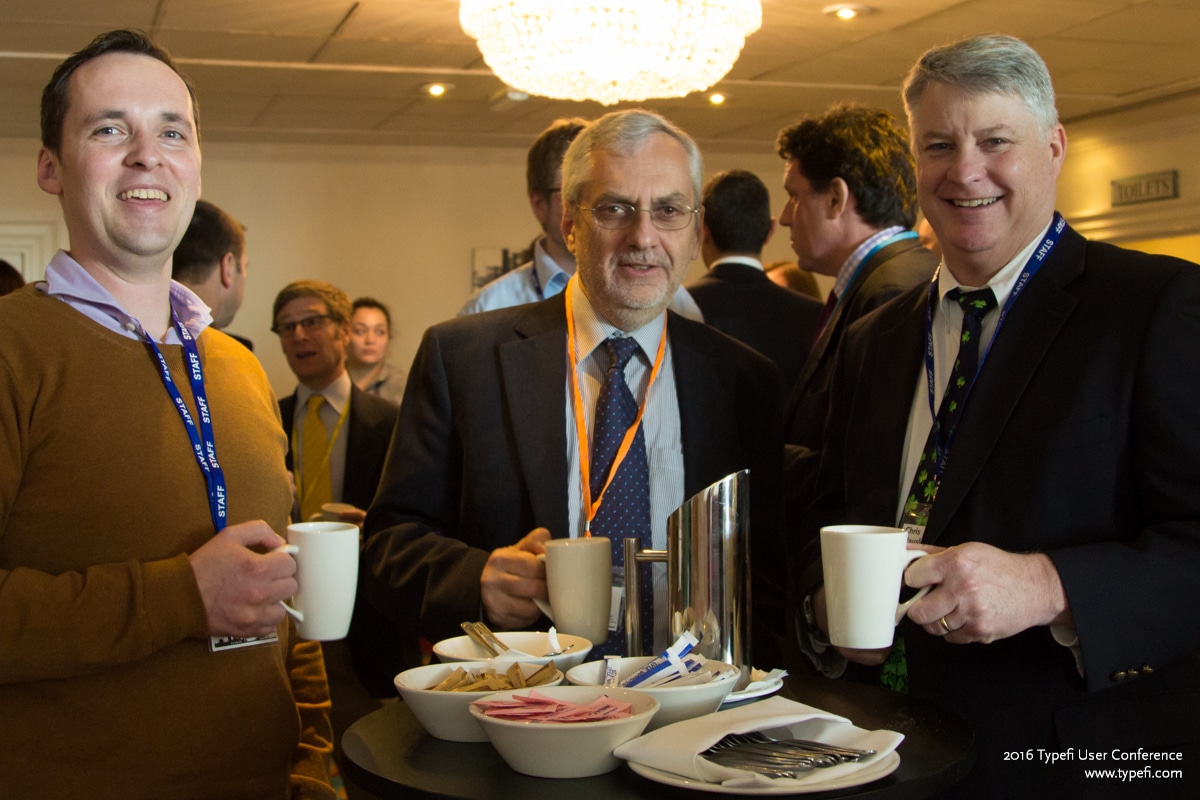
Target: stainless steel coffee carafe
[708,570]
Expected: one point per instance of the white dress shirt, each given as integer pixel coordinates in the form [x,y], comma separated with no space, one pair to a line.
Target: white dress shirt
[660,424]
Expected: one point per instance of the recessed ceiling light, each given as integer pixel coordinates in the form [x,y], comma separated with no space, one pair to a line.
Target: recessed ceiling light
[436,89]
[716,98]
[847,10]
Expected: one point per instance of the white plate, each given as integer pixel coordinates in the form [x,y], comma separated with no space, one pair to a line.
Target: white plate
[885,766]
[771,687]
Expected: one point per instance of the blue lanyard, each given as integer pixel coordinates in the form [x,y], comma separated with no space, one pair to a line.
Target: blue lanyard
[204,443]
[871,254]
[1031,268]
[537,281]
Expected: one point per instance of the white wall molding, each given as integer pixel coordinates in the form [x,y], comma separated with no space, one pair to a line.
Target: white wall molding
[1145,221]
[29,246]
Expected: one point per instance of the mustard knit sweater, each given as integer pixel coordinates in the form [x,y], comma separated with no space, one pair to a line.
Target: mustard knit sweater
[107,684]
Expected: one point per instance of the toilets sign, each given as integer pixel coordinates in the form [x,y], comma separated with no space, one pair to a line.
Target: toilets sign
[1146,188]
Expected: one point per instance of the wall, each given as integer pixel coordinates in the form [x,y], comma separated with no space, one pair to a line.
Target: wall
[394,222]
[1122,146]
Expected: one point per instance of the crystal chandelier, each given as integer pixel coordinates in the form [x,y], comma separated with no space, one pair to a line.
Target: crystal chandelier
[613,50]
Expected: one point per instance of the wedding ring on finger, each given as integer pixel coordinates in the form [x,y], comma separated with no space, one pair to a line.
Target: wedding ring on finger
[945,625]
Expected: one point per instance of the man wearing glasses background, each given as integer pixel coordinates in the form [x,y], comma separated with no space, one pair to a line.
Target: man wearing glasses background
[337,440]
[498,426]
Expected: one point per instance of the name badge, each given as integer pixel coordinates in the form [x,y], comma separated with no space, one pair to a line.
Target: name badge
[616,610]
[914,520]
[217,644]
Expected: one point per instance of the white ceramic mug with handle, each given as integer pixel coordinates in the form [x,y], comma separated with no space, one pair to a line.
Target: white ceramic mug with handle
[864,568]
[579,583]
[326,556]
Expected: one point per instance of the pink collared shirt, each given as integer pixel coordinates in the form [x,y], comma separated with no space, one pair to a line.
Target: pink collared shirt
[71,283]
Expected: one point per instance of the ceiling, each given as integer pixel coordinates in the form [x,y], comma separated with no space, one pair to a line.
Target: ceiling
[347,71]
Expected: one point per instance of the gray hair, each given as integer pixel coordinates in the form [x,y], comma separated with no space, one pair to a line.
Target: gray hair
[622,132]
[989,64]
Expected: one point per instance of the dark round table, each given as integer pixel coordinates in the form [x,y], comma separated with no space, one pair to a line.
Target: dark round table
[388,753]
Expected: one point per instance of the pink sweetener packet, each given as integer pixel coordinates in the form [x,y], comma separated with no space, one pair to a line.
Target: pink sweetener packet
[534,698]
[500,713]
[518,707]
[602,707]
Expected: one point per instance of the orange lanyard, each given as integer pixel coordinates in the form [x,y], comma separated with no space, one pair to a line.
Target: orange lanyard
[589,507]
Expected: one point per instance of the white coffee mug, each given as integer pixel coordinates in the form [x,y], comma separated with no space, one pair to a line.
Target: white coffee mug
[579,583]
[864,567]
[326,556]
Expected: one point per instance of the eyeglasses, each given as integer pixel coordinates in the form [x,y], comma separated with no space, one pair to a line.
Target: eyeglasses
[309,324]
[666,217]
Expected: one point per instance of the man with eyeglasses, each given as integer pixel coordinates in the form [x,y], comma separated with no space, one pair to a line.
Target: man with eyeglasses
[500,424]
[337,440]
[551,262]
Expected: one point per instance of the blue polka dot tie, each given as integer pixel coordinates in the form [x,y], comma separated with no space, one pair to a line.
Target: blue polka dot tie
[625,509]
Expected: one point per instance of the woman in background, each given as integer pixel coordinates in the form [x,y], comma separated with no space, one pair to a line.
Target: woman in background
[366,358]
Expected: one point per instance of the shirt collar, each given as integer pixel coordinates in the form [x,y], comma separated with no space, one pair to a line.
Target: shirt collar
[549,274]
[67,280]
[850,269]
[591,329]
[1002,282]
[747,260]
[337,394]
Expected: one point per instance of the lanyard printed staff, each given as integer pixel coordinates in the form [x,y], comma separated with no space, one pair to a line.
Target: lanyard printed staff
[204,444]
[1031,268]
[590,507]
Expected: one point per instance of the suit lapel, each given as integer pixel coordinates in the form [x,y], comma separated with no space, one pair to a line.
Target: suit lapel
[818,351]
[888,379]
[533,373]
[835,318]
[1018,350]
[287,414]
[358,431]
[699,390]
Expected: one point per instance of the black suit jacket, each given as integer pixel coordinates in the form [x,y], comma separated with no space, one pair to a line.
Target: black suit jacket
[368,431]
[893,270]
[479,457]
[377,651]
[890,272]
[1081,439]
[741,301]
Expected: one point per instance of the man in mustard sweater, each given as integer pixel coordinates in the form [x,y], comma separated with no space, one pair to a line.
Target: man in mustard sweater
[143,649]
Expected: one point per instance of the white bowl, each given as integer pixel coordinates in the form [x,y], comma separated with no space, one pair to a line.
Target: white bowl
[461,648]
[444,714]
[566,749]
[676,702]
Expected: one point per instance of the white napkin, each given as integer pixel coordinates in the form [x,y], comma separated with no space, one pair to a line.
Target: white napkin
[676,748]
